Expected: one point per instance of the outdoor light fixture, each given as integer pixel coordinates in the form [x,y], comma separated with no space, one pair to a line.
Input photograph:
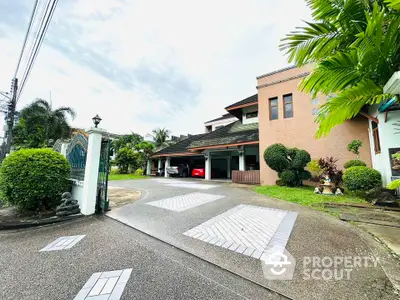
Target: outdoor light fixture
[96,120]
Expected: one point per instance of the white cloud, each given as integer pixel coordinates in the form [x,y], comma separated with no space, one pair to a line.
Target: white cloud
[214,49]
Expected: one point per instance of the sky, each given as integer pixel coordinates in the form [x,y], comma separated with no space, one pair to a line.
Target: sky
[146,64]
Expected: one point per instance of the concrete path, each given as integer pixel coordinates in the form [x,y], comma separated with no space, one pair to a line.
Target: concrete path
[188,214]
[158,271]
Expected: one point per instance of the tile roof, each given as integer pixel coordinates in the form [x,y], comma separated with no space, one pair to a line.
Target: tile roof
[248,100]
[179,147]
[234,133]
[225,116]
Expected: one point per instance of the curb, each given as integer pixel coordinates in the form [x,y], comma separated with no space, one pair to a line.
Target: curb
[36,223]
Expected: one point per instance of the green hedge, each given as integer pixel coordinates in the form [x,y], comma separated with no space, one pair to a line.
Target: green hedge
[33,179]
[362,179]
[354,163]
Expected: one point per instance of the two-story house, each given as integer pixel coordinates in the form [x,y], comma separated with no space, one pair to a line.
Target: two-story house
[278,113]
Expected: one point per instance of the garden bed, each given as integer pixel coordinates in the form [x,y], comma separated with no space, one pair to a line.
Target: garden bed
[10,218]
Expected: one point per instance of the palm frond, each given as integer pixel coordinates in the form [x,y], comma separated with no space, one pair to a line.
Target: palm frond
[347,104]
[65,110]
[311,43]
[333,74]
[393,4]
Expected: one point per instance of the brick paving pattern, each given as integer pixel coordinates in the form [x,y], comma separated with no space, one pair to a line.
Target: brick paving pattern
[105,285]
[184,202]
[63,243]
[250,230]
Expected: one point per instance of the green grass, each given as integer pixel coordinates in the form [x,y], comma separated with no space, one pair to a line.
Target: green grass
[125,177]
[304,195]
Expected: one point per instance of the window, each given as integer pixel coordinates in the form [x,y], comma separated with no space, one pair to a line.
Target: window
[315,111]
[315,101]
[273,108]
[253,114]
[218,127]
[288,106]
[375,135]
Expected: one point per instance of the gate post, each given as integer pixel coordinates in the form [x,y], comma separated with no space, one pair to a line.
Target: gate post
[91,171]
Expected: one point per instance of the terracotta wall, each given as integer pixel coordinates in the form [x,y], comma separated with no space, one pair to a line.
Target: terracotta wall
[299,131]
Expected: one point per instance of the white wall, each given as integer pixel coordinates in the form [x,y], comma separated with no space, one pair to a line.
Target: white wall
[223,122]
[77,191]
[247,110]
[388,139]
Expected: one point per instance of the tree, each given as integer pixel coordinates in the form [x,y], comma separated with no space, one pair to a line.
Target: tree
[355,46]
[40,126]
[145,150]
[126,158]
[160,137]
[128,140]
[354,147]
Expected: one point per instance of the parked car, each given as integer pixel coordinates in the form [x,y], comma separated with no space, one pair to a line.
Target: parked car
[199,171]
[180,170]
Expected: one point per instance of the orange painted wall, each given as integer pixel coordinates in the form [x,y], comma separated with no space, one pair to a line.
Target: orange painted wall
[299,131]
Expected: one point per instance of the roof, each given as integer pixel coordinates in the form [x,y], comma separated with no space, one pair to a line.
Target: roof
[225,116]
[179,147]
[245,102]
[234,133]
[276,72]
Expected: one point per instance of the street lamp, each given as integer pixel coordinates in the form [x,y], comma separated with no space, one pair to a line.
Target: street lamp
[96,120]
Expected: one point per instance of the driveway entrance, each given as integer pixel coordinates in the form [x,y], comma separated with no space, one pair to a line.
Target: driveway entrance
[236,229]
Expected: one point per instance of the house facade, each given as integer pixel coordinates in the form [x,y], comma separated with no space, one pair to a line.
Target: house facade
[287,115]
[234,144]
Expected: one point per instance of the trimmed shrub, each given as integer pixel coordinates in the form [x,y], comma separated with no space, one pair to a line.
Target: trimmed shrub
[139,172]
[354,163]
[362,179]
[394,185]
[289,163]
[34,179]
[289,178]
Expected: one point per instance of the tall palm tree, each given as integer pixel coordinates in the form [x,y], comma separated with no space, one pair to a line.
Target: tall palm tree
[355,46]
[39,125]
[161,136]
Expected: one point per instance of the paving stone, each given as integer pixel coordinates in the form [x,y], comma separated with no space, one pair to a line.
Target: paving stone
[63,243]
[247,229]
[184,202]
[105,285]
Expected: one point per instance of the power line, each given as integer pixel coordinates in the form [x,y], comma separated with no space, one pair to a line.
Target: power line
[44,25]
[33,15]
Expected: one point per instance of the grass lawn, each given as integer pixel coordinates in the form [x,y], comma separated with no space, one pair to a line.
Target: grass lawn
[304,195]
[125,177]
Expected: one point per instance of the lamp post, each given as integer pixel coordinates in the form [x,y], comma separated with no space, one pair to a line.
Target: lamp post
[96,120]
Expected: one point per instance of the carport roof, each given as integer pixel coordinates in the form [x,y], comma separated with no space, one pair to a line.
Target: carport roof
[233,134]
[178,148]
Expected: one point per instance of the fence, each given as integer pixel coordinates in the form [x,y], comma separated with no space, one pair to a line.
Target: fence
[247,177]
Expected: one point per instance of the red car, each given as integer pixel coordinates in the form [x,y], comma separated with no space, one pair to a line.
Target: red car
[198,172]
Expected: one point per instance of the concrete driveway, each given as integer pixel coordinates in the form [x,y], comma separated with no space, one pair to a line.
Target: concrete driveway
[230,226]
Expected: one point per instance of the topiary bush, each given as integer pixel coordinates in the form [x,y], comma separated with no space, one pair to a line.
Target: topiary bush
[362,179]
[289,163]
[354,163]
[33,179]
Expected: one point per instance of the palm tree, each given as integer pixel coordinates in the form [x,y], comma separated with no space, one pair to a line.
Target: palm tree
[160,137]
[39,125]
[355,45]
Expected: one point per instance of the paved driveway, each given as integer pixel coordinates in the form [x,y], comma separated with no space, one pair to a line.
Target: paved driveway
[234,228]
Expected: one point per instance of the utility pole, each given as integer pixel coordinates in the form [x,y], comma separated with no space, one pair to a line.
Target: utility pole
[10,117]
